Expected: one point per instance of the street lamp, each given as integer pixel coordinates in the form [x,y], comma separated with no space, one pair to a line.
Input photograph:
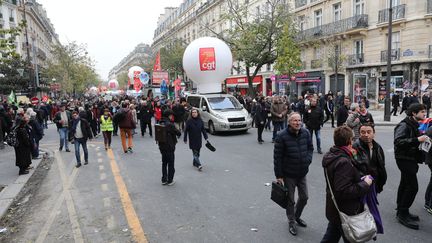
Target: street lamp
[31,81]
[389,59]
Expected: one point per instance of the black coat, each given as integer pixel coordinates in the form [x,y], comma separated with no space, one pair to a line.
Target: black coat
[85,129]
[23,152]
[292,153]
[406,142]
[342,115]
[171,136]
[179,113]
[146,113]
[57,119]
[345,181]
[260,114]
[395,100]
[194,129]
[37,130]
[426,101]
[313,118]
[374,166]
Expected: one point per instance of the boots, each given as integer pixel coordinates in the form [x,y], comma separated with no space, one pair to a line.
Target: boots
[406,219]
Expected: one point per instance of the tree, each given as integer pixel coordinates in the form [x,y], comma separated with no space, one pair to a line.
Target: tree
[253,37]
[10,78]
[288,59]
[172,57]
[72,67]
[122,78]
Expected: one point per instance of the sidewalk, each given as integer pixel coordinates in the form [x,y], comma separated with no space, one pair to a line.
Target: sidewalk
[10,183]
[378,116]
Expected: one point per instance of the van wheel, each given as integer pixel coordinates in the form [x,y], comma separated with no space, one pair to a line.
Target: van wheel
[212,129]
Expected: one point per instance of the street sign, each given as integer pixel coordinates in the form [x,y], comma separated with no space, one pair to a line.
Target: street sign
[34,100]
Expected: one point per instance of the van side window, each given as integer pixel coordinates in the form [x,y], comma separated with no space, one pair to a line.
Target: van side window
[204,103]
[194,101]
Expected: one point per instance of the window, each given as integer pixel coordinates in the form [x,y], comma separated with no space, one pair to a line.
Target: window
[395,40]
[358,47]
[394,3]
[318,17]
[11,15]
[317,53]
[301,21]
[194,101]
[337,10]
[258,11]
[358,7]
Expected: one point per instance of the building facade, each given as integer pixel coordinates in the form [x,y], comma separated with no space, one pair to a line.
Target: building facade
[140,56]
[344,46]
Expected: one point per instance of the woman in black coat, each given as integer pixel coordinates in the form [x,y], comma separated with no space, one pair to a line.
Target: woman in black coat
[194,128]
[260,118]
[23,152]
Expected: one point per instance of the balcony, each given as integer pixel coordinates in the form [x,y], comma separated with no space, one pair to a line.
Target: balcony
[338,27]
[317,63]
[355,59]
[395,55]
[429,6]
[398,13]
[11,19]
[300,3]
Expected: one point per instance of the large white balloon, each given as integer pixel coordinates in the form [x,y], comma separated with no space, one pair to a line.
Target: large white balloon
[134,74]
[207,61]
[113,84]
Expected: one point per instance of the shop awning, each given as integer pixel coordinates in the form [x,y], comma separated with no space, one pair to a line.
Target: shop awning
[308,80]
[242,85]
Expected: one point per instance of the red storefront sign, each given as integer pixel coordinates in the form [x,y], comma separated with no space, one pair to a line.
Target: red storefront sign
[207,59]
[242,81]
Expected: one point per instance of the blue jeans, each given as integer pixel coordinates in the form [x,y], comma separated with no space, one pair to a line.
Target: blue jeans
[63,137]
[317,135]
[196,155]
[83,143]
[277,126]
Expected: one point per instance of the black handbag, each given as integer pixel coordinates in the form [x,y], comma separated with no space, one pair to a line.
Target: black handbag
[279,194]
[210,147]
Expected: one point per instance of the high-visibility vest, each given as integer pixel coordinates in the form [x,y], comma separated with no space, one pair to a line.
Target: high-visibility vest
[106,125]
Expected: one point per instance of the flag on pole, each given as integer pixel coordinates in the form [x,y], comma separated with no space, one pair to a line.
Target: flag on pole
[11,98]
[157,66]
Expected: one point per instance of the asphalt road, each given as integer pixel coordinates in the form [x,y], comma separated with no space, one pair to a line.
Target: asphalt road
[227,202]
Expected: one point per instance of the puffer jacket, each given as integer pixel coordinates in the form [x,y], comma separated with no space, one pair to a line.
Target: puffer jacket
[292,153]
[405,141]
[345,181]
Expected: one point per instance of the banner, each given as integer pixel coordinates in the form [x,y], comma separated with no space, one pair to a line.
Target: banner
[157,66]
[158,77]
[207,59]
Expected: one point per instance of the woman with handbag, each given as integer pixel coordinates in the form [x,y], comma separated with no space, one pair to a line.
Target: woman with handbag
[345,183]
[194,128]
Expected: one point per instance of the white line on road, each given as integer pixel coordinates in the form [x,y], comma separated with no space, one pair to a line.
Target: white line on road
[99,160]
[104,187]
[102,176]
[110,222]
[101,167]
[99,154]
[107,202]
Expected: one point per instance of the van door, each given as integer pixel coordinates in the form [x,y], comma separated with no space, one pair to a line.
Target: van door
[205,115]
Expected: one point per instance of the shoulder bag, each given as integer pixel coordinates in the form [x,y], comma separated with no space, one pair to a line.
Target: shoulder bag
[357,228]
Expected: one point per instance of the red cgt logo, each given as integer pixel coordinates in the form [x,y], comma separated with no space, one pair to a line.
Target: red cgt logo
[207,59]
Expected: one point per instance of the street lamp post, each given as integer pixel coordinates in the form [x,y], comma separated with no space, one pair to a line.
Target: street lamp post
[31,81]
[389,59]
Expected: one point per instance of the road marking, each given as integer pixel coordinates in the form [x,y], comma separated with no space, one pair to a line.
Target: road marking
[131,216]
[99,154]
[110,222]
[99,160]
[67,182]
[107,202]
[101,167]
[102,176]
[104,187]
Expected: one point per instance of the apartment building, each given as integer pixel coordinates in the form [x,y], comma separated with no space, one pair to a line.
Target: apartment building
[344,46]
[138,57]
[8,15]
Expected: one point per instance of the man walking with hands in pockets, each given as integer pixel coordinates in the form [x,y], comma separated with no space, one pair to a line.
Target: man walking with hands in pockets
[292,156]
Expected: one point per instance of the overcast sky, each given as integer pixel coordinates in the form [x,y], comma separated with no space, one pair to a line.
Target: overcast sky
[110,28]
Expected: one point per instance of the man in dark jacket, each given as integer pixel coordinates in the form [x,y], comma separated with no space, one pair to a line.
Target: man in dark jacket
[260,118]
[146,113]
[405,102]
[278,111]
[427,102]
[343,112]
[329,110]
[313,118]
[126,124]
[167,148]
[292,157]
[407,139]
[345,181]
[179,114]
[395,103]
[370,156]
[81,132]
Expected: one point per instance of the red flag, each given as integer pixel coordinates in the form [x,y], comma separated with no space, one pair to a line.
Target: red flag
[157,66]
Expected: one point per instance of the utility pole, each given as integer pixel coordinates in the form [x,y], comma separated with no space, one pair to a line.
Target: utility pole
[389,60]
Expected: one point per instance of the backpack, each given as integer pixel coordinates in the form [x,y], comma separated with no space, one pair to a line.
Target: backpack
[160,133]
[11,138]
[119,116]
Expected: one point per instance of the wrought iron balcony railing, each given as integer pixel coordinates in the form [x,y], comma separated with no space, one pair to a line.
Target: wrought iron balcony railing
[429,6]
[356,59]
[395,55]
[300,3]
[317,63]
[398,13]
[341,26]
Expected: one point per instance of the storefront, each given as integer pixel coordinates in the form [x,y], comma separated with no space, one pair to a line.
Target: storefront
[312,82]
[240,84]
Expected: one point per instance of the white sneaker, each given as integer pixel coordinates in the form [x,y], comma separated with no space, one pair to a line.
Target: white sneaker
[171,183]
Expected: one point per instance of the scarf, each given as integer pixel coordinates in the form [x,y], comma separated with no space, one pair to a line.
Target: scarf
[74,125]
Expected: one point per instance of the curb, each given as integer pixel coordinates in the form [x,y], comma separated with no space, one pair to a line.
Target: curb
[9,193]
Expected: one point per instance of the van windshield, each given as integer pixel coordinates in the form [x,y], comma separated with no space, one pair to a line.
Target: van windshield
[224,103]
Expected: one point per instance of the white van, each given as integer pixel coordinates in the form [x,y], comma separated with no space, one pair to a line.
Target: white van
[221,112]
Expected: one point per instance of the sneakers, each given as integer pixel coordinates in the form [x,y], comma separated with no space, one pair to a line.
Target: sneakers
[67,150]
[171,183]
[130,150]
[78,165]
[200,168]
[301,222]
[164,183]
[428,209]
[86,163]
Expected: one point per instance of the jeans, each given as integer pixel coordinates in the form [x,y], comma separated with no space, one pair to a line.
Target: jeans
[123,133]
[277,126]
[333,234]
[196,155]
[64,137]
[294,210]
[318,137]
[107,138]
[268,124]
[83,143]
[35,152]
[428,195]
[408,186]
[168,166]
[144,126]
